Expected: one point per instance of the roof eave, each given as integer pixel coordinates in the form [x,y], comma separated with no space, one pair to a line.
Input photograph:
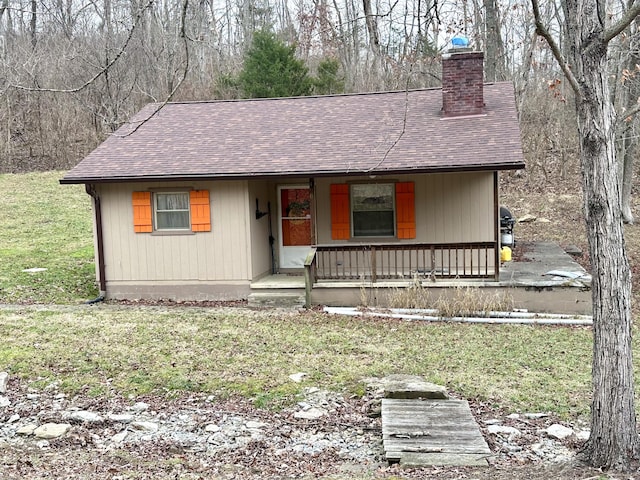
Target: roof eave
[271,175]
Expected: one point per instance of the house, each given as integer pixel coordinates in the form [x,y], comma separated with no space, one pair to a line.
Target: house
[202,200]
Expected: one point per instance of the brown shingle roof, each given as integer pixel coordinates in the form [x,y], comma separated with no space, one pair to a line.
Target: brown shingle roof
[309,136]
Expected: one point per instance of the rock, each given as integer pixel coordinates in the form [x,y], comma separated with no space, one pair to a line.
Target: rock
[573,250]
[4,380]
[297,377]
[527,218]
[13,418]
[33,396]
[251,425]
[51,430]
[535,416]
[83,416]
[145,426]
[503,430]
[538,449]
[543,220]
[493,421]
[583,435]
[212,428]
[27,429]
[119,437]
[140,407]
[4,402]
[120,418]
[310,414]
[559,432]
[411,386]
[513,416]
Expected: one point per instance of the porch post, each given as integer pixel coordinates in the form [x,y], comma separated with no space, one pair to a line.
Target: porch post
[374,268]
[309,276]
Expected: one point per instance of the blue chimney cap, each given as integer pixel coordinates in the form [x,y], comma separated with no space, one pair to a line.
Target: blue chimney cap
[460,42]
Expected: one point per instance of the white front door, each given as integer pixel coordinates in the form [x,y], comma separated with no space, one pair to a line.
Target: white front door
[294,225]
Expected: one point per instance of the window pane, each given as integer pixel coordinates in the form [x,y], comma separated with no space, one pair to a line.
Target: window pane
[373,224]
[373,210]
[175,220]
[172,201]
[172,211]
[296,232]
[372,197]
[295,202]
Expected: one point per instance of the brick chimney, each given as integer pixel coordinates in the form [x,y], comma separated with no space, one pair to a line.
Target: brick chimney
[462,79]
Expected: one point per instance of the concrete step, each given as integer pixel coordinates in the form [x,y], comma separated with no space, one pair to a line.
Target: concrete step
[288,299]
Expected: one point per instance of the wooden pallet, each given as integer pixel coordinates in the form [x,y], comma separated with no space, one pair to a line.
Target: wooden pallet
[420,432]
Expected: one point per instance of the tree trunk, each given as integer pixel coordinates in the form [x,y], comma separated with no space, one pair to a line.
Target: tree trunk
[495,69]
[614,440]
[627,183]
[33,22]
[628,140]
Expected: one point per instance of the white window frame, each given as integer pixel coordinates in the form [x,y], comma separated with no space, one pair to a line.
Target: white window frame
[156,210]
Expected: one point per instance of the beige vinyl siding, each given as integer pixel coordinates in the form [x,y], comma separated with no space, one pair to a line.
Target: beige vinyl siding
[219,255]
[450,207]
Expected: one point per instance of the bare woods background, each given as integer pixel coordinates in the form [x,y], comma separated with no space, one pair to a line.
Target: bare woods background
[72,71]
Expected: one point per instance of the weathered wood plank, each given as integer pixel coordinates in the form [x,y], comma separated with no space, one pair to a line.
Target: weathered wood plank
[422,459]
[431,432]
[408,446]
[418,423]
[427,432]
[417,403]
[441,442]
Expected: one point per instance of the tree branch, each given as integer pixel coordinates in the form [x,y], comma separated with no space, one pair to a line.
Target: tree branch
[404,125]
[542,31]
[185,71]
[628,17]
[623,116]
[102,71]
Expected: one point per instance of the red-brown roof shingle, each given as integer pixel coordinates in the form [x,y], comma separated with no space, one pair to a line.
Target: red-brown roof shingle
[390,132]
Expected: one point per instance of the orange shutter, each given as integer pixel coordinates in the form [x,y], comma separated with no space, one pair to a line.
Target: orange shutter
[405,210]
[340,213]
[200,211]
[141,202]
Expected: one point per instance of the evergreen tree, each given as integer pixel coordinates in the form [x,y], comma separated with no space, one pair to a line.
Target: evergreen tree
[328,81]
[272,70]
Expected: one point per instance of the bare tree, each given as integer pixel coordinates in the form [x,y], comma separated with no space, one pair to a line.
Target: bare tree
[625,63]
[495,68]
[614,440]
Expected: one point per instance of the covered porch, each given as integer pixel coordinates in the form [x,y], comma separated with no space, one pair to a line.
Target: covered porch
[530,280]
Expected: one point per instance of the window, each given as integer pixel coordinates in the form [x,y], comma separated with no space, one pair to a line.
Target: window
[372,210]
[171,211]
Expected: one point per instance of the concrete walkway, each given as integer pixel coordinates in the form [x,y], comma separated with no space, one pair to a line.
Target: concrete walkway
[544,264]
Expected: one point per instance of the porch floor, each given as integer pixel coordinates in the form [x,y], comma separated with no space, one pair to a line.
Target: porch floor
[543,279]
[539,258]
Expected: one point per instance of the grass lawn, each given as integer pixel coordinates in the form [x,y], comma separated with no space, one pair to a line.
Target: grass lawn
[107,349]
[116,350]
[45,225]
